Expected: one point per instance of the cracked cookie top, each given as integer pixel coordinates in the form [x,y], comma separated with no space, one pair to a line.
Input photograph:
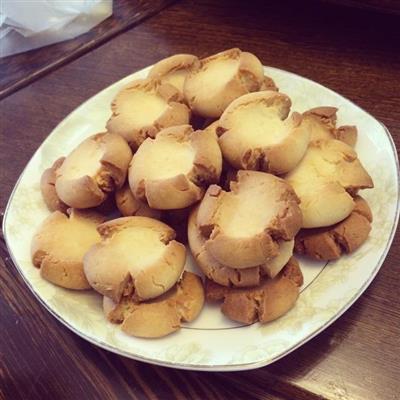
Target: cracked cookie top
[221,78]
[136,256]
[325,180]
[143,108]
[255,133]
[170,171]
[95,168]
[242,227]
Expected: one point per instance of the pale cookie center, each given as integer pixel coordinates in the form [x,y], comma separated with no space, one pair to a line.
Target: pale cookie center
[163,159]
[143,107]
[139,247]
[83,161]
[257,125]
[247,213]
[216,74]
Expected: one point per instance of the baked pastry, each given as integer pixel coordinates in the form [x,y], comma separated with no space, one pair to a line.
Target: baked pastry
[331,242]
[228,276]
[170,171]
[219,79]
[268,84]
[321,123]
[161,316]
[174,69]
[243,227]
[96,167]
[256,133]
[325,179]
[48,188]
[264,303]
[129,205]
[137,255]
[60,243]
[143,108]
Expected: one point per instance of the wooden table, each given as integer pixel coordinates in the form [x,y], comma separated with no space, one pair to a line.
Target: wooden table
[354,52]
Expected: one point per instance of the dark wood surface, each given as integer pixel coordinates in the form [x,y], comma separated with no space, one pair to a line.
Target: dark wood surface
[17,71]
[354,52]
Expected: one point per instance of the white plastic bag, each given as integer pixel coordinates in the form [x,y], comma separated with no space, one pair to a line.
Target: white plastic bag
[29,24]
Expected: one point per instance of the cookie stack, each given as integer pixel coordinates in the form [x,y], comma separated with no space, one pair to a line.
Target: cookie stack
[210,147]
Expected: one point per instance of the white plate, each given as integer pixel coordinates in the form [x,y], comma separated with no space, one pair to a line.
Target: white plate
[212,342]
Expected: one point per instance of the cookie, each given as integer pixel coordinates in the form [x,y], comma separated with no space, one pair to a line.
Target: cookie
[143,108]
[345,237]
[60,243]
[264,303]
[268,84]
[228,276]
[174,69]
[243,227]
[94,169]
[161,316]
[129,205]
[137,255]
[325,179]
[170,171]
[255,133]
[48,188]
[321,123]
[219,79]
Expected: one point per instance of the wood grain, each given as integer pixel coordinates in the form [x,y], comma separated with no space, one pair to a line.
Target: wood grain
[19,70]
[356,54]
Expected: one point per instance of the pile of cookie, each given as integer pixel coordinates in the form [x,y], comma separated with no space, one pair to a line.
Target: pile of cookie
[204,152]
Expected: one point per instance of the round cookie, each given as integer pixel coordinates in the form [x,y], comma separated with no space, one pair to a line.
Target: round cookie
[129,205]
[137,255]
[328,172]
[243,227]
[96,167]
[332,242]
[219,79]
[265,302]
[174,69]
[169,172]
[48,188]
[321,123]
[161,316]
[255,133]
[228,276]
[60,243]
[143,108]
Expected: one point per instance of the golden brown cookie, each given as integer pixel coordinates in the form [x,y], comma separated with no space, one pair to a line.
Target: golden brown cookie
[48,188]
[243,227]
[256,133]
[174,69]
[331,242]
[161,316]
[228,276]
[60,243]
[327,176]
[264,303]
[268,84]
[94,169]
[220,79]
[136,255]
[129,205]
[321,123]
[143,108]
[170,171]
